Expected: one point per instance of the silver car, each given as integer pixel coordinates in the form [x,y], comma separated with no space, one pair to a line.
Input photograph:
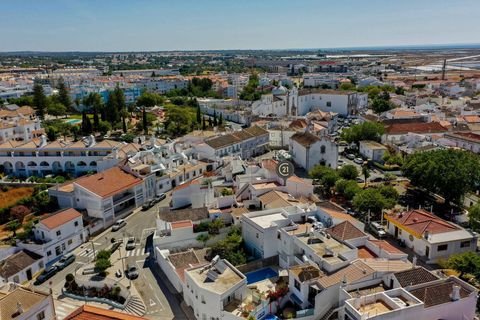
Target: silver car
[130,243]
[132,272]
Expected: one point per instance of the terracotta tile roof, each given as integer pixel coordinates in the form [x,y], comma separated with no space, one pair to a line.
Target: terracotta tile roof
[182,224]
[306,272]
[108,182]
[415,127]
[335,211]
[269,164]
[88,312]
[438,293]
[345,231]
[419,221]
[276,199]
[197,214]
[357,270]
[60,218]
[472,118]
[17,262]
[365,253]
[238,212]
[464,136]
[298,124]
[414,276]
[28,299]
[235,137]
[385,246]
[256,131]
[186,184]
[305,138]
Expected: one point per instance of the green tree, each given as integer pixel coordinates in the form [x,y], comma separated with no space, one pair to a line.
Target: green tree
[103,254]
[75,130]
[86,124]
[13,226]
[199,116]
[39,100]
[369,200]
[144,121]
[102,264]
[474,217]
[94,102]
[149,99]
[220,120]
[215,122]
[348,172]
[56,109]
[449,173]
[104,127]
[347,188]
[51,133]
[347,86]
[465,263]
[363,131]
[215,226]
[390,194]
[366,174]
[380,105]
[327,177]
[63,96]
[203,238]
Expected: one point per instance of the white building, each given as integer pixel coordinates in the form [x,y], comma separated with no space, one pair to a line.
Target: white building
[20,267]
[431,237]
[39,157]
[372,150]
[22,303]
[54,236]
[210,289]
[341,102]
[466,140]
[19,124]
[309,150]
[106,196]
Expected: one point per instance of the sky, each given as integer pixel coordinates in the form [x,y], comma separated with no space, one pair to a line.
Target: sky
[150,25]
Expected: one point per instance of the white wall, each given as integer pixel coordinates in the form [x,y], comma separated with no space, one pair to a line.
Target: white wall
[167,267]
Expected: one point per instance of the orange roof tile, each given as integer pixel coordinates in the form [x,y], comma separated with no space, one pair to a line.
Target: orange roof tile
[420,221]
[108,182]
[345,231]
[60,218]
[385,246]
[88,312]
[415,127]
[182,224]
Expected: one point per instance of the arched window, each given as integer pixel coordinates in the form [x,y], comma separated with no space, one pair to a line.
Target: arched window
[322,149]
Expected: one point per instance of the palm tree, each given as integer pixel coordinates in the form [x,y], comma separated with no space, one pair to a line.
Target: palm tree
[366,174]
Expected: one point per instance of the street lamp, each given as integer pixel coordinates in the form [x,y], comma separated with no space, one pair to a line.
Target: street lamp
[93,248]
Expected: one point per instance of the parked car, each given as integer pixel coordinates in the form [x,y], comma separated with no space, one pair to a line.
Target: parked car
[377,229]
[45,275]
[160,197]
[350,156]
[377,179]
[358,160]
[120,223]
[130,243]
[64,261]
[147,205]
[359,180]
[132,271]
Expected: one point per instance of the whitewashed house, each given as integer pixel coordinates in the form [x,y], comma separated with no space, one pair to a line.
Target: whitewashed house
[309,150]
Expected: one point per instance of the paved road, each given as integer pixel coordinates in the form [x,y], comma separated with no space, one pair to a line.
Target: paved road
[159,301]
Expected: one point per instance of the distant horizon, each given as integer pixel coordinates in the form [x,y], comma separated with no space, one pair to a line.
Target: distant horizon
[213,25]
[353,48]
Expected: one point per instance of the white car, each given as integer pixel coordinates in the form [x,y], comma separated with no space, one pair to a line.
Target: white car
[130,243]
[358,160]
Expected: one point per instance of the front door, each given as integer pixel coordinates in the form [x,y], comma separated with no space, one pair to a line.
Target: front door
[396,232]
[29,274]
[427,252]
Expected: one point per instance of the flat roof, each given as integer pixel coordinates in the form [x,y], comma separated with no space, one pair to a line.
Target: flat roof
[265,221]
[225,277]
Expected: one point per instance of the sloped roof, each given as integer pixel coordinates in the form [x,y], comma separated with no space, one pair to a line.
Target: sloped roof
[17,262]
[415,127]
[345,231]
[89,312]
[108,182]
[28,299]
[438,293]
[414,276]
[196,214]
[60,218]
[419,221]
[357,270]
[305,138]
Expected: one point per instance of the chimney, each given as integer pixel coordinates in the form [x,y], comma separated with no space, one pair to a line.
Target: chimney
[455,293]
[43,141]
[19,308]
[414,262]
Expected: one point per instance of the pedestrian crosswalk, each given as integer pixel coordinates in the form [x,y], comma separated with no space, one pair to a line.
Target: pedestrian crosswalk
[125,253]
[137,252]
[63,308]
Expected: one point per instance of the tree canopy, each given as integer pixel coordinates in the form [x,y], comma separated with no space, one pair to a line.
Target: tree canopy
[327,177]
[348,172]
[363,131]
[449,173]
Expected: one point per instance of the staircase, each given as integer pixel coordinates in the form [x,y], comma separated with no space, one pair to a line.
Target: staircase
[135,306]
